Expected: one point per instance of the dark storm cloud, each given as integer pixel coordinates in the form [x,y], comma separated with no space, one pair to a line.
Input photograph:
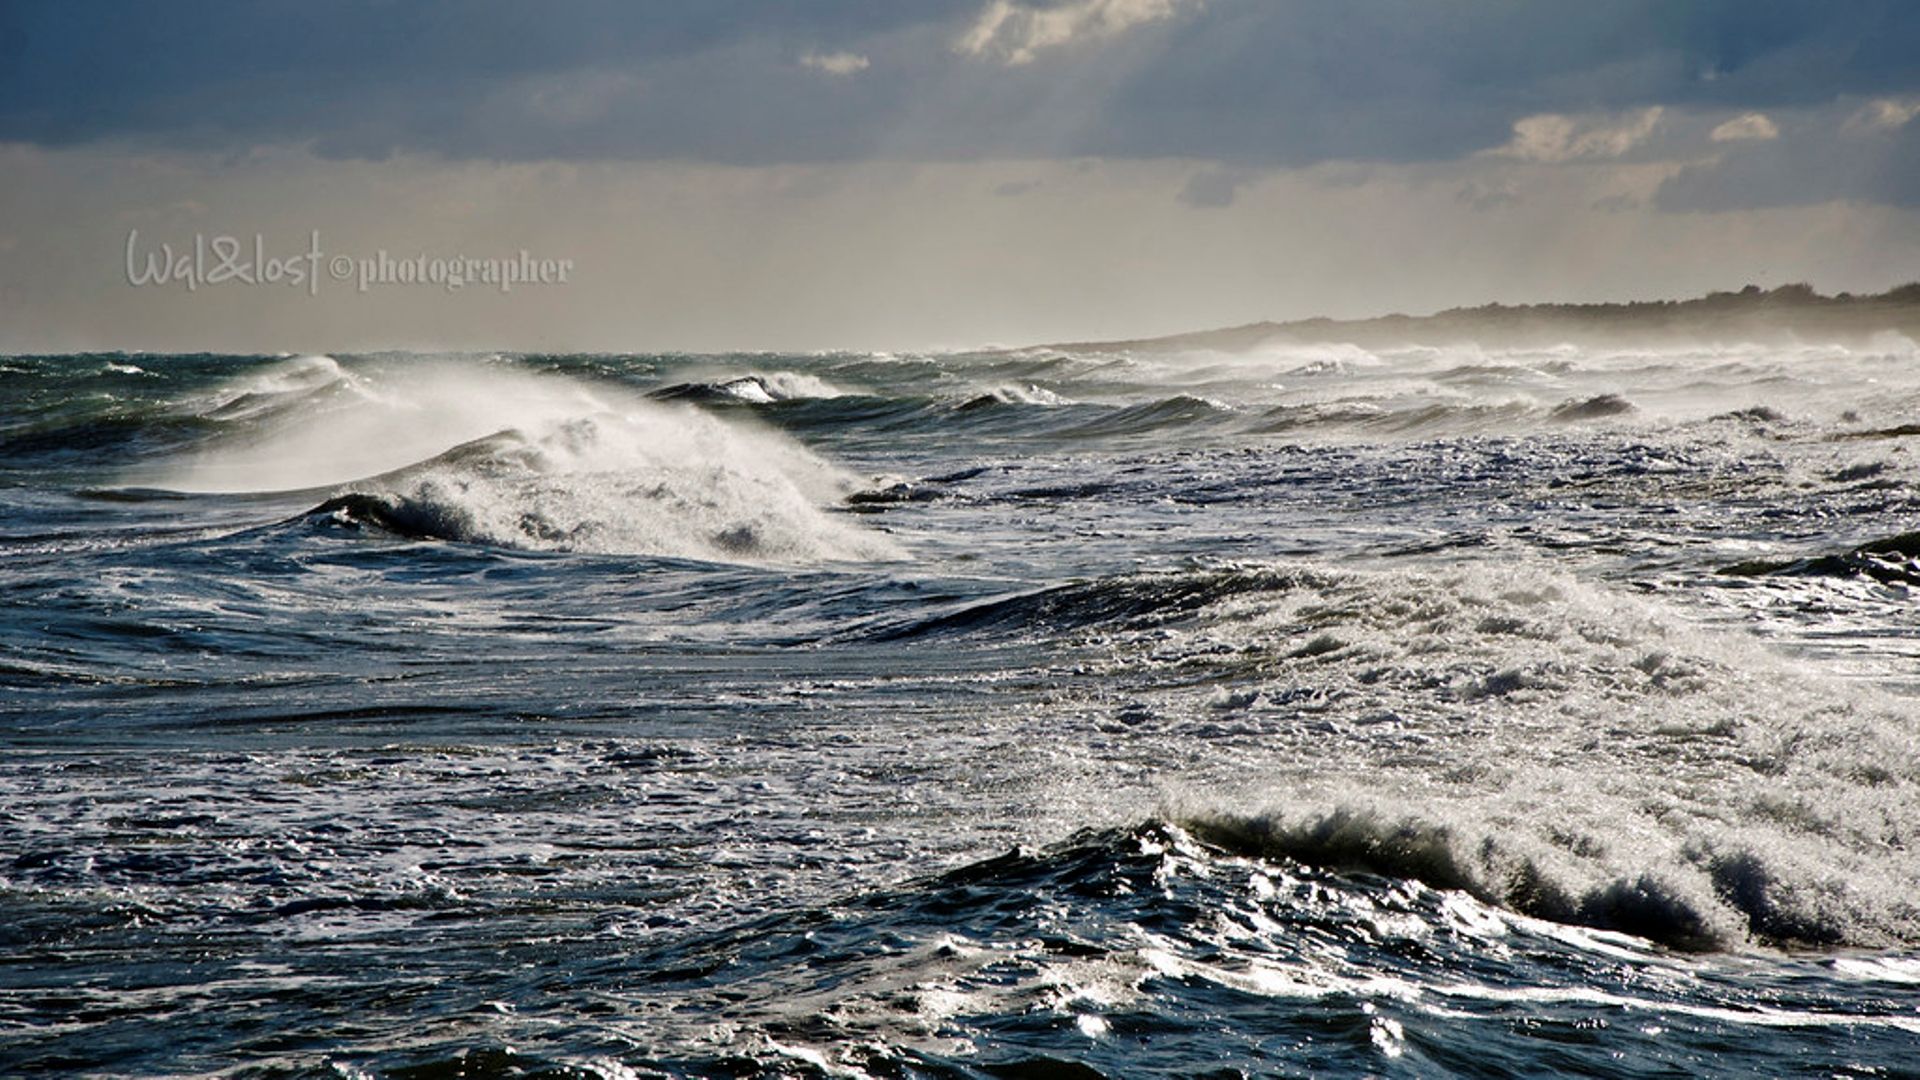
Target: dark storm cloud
[472,78]
[1250,83]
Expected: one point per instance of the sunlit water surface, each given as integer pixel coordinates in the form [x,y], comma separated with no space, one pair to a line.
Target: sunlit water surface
[1322,711]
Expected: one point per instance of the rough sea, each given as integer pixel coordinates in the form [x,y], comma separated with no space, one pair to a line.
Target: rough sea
[1309,712]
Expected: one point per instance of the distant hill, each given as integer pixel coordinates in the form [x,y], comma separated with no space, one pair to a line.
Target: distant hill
[1790,312]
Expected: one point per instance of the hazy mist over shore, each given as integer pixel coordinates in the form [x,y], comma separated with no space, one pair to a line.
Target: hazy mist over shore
[1788,314]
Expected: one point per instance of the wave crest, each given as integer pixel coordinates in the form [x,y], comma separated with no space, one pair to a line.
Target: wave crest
[1563,749]
[667,483]
[484,453]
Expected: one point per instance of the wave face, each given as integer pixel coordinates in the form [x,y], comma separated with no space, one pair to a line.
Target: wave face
[494,455]
[1561,751]
[1404,712]
[1123,951]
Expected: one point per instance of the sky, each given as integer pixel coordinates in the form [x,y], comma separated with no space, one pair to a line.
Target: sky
[717,175]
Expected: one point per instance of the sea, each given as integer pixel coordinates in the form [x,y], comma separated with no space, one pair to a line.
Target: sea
[1313,710]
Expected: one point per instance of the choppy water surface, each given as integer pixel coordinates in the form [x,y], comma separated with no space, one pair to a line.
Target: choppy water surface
[1318,711]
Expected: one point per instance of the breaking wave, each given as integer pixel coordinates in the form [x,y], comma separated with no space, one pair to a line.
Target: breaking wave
[1545,744]
[486,454]
[1116,950]
[756,389]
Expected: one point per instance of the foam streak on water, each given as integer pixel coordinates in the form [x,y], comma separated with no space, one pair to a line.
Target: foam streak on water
[1315,711]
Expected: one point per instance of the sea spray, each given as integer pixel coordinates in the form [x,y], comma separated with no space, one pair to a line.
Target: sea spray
[1400,731]
[492,455]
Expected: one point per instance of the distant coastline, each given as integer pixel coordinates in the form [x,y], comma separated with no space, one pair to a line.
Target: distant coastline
[1787,313]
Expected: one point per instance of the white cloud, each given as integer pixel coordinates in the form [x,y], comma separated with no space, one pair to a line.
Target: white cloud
[1014,33]
[1885,114]
[1746,126]
[840,63]
[1556,137]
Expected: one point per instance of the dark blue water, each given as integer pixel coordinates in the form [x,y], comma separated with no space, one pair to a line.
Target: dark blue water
[1314,712]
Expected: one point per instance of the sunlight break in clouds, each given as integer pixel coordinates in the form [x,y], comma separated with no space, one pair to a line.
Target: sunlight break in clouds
[1015,33]
[1886,114]
[1554,137]
[1751,125]
[840,63]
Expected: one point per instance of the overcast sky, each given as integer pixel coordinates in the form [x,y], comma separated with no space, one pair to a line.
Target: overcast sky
[784,174]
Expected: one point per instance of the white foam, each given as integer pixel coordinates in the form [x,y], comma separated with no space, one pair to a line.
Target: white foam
[485,453]
[1025,394]
[1676,383]
[655,481]
[309,422]
[261,391]
[1888,969]
[1751,1016]
[798,386]
[765,387]
[1558,747]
